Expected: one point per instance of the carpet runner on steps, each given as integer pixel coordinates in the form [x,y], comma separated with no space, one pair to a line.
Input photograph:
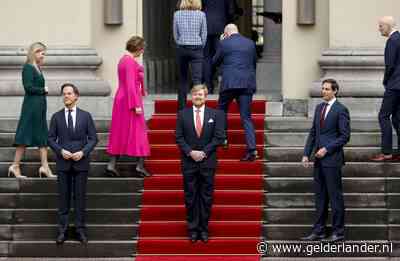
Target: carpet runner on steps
[236,219]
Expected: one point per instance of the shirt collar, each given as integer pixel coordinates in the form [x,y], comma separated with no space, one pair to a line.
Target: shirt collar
[72,110]
[331,101]
[392,32]
[201,108]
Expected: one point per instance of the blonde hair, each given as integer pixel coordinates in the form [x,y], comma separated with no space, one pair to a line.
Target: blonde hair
[32,50]
[190,5]
[199,87]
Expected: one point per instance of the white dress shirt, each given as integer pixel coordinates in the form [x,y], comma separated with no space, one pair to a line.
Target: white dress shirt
[73,114]
[329,106]
[201,114]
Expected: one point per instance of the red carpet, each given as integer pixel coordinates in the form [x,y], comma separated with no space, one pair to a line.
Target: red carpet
[237,213]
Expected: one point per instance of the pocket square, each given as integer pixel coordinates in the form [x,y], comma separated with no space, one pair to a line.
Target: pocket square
[210,121]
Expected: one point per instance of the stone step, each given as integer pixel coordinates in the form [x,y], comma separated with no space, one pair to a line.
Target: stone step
[9,125]
[49,216]
[37,248]
[352,231]
[303,124]
[272,169]
[353,216]
[44,232]
[272,139]
[273,154]
[294,154]
[97,169]
[352,200]
[95,185]
[99,154]
[50,200]
[358,139]
[351,169]
[350,185]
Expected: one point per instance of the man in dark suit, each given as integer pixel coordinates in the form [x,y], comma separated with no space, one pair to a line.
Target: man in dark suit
[238,57]
[391,98]
[72,136]
[218,13]
[199,131]
[329,133]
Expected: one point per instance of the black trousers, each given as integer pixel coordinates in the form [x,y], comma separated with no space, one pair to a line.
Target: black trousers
[328,189]
[72,187]
[208,68]
[193,56]
[388,116]
[198,187]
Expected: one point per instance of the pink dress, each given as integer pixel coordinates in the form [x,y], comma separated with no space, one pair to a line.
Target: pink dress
[128,131]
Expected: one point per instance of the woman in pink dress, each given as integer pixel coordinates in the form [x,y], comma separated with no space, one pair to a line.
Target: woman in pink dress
[128,132]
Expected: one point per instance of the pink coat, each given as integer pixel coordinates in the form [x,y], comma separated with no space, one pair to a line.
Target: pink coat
[128,131]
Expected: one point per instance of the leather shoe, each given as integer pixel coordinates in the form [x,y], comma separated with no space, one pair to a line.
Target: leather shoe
[313,237]
[81,237]
[250,156]
[61,238]
[334,238]
[204,236]
[193,237]
[382,158]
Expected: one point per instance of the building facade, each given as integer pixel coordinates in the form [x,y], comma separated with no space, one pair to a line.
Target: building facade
[339,39]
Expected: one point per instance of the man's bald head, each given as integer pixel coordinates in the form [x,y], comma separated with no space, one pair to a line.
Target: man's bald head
[386,25]
[231,29]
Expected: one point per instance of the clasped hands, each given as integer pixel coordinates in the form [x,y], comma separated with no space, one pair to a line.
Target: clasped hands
[77,156]
[320,154]
[197,155]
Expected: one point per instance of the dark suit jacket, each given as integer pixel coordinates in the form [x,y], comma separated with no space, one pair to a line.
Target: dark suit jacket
[391,78]
[333,136]
[84,139]
[212,135]
[218,13]
[238,58]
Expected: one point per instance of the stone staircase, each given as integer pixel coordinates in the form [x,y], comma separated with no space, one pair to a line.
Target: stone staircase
[28,208]
[371,190]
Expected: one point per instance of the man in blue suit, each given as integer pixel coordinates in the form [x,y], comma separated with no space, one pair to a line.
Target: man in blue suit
[391,81]
[72,136]
[329,133]
[238,57]
[218,13]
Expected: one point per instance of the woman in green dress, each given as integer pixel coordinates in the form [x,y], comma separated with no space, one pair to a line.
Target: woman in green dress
[32,126]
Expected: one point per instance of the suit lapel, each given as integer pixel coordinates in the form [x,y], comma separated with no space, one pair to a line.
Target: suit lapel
[205,121]
[64,119]
[77,120]
[191,114]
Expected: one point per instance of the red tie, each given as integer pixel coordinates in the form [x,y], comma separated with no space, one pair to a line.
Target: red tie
[198,123]
[322,116]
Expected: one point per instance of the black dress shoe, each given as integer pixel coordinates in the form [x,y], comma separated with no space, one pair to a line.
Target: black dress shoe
[61,238]
[313,237]
[193,237]
[334,238]
[204,236]
[250,156]
[112,172]
[81,237]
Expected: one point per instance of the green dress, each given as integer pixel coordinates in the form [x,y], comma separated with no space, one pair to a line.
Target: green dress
[32,126]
